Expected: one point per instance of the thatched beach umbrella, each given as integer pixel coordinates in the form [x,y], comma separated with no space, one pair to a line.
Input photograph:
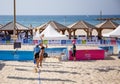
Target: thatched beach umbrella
[108,24]
[83,26]
[59,27]
[9,27]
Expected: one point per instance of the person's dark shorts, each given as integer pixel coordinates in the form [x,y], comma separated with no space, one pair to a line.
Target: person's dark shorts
[37,55]
[74,53]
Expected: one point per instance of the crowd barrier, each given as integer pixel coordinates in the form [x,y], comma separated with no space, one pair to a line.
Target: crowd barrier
[108,49]
[16,55]
[60,52]
[88,55]
[64,42]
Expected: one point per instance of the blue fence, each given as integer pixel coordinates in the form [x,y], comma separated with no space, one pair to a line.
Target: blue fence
[16,55]
[29,55]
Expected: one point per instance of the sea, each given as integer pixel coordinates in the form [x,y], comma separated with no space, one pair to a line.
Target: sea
[37,20]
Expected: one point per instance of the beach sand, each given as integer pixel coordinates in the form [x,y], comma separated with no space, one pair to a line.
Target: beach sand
[61,72]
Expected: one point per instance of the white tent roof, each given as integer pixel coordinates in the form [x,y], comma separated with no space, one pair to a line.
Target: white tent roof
[50,34]
[114,33]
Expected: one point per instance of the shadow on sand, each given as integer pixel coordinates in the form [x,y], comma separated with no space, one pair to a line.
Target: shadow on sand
[109,58]
[108,68]
[2,65]
[42,79]
[22,69]
[18,65]
[61,72]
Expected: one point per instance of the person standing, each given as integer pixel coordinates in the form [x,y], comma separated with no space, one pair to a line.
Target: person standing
[36,56]
[41,53]
[74,51]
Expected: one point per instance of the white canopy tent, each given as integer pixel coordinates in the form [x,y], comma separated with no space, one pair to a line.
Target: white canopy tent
[50,34]
[36,36]
[114,33]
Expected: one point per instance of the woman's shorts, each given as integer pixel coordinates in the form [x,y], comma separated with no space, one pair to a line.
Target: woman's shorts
[74,53]
[36,55]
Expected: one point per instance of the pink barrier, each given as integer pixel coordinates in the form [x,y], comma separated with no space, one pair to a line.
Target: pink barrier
[88,55]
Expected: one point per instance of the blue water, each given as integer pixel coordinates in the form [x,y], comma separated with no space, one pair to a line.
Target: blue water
[36,20]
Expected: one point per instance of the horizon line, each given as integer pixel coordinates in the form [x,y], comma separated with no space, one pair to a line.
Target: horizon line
[58,15]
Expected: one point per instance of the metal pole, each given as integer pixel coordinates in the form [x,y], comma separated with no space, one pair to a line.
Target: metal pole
[14,16]
[65,20]
[101,16]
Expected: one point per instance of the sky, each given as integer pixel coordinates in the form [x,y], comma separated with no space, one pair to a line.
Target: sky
[60,7]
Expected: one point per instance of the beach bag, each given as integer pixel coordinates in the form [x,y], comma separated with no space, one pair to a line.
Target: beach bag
[45,55]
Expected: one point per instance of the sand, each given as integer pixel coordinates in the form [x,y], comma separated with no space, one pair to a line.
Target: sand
[55,71]
[61,72]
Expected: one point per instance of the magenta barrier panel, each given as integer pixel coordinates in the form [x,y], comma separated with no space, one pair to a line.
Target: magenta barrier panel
[88,55]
